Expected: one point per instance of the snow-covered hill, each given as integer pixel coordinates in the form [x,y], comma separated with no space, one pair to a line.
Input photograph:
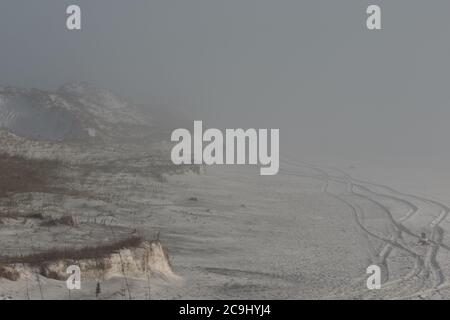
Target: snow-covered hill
[76,111]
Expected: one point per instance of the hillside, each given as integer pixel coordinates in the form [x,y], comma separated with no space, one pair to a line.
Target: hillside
[74,112]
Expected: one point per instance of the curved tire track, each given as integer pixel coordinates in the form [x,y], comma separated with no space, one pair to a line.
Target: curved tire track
[423,264]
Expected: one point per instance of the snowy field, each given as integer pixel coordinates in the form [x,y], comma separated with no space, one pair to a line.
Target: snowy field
[307,233]
[105,196]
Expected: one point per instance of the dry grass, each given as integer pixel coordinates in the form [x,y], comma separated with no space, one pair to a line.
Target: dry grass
[100,251]
[20,174]
[9,273]
[64,221]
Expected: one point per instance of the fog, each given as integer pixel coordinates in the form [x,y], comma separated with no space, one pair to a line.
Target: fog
[336,90]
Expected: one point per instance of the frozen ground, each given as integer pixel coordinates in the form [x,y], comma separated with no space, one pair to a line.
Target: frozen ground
[252,237]
[230,233]
[306,233]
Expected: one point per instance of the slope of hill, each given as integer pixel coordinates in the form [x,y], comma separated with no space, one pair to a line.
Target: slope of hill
[76,111]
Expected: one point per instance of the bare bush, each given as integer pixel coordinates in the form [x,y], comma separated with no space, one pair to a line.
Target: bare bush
[9,273]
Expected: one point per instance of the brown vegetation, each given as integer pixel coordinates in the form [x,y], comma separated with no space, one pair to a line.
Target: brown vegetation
[20,174]
[9,273]
[74,253]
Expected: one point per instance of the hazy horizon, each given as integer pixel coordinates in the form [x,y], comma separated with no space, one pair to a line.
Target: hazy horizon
[311,68]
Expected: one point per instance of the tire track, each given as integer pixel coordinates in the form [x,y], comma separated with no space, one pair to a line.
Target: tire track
[355,209]
[422,264]
[380,258]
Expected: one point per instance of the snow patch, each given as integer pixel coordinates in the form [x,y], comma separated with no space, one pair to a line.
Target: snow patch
[92,132]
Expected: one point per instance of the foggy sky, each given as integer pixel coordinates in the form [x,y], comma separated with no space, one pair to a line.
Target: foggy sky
[310,68]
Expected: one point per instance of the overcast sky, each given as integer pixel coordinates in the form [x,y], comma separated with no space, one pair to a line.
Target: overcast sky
[310,68]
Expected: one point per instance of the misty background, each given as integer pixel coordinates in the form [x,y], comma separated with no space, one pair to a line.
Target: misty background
[336,90]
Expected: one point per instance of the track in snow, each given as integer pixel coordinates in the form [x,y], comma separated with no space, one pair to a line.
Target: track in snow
[426,276]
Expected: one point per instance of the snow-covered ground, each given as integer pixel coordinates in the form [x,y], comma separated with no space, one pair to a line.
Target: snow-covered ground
[306,233]
[71,181]
[230,233]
